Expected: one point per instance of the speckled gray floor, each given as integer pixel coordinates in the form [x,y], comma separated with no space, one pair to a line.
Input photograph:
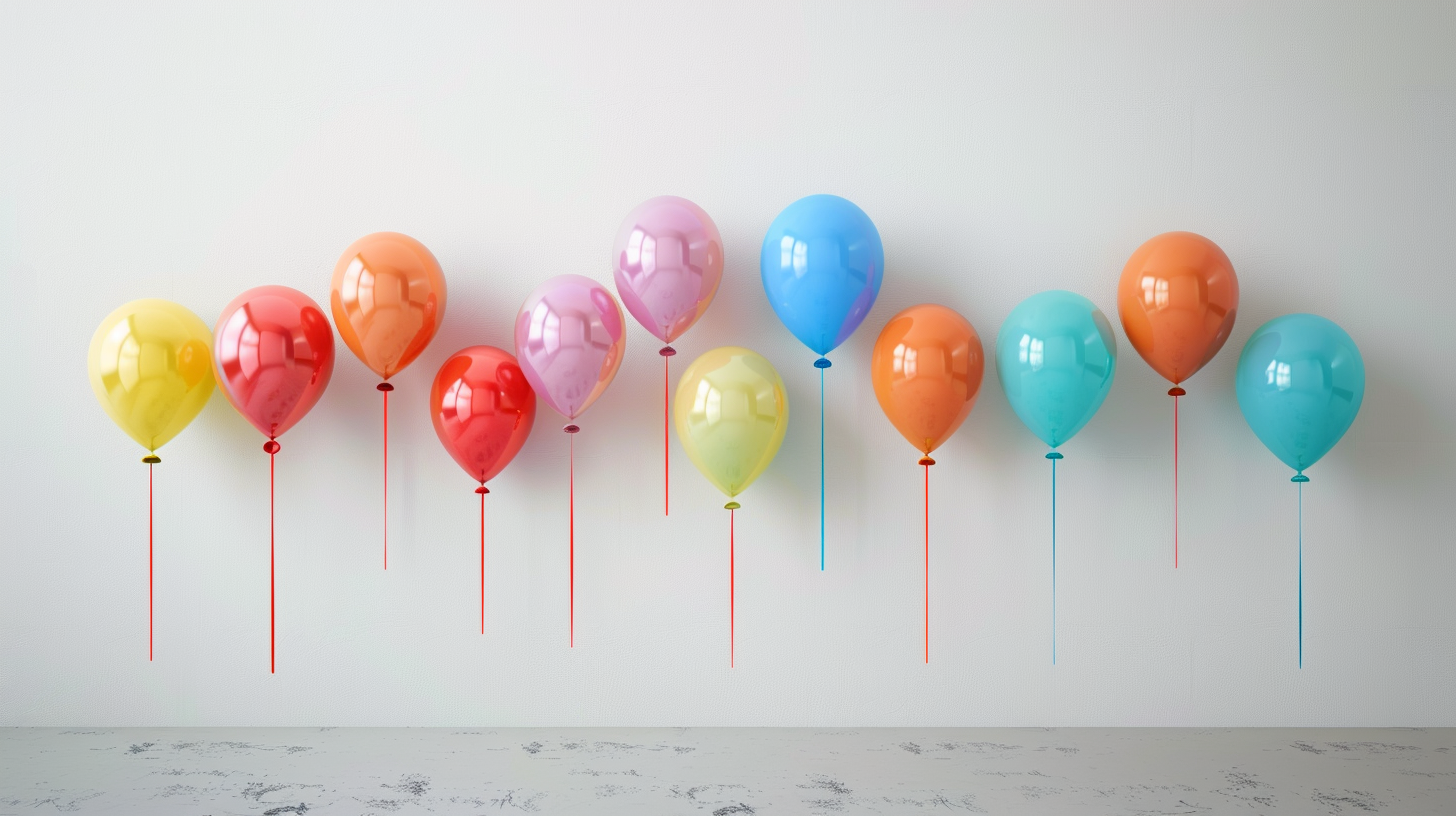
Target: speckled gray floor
[274,771]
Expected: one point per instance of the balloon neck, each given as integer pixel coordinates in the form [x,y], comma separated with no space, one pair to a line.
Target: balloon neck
[1300,478]
[271,447]
[667,351]
[385,387]
[732,506]
[482,490]
[926,460]
[571,429]
[1054,456]
[822,362]
[152,459]
[1176,391]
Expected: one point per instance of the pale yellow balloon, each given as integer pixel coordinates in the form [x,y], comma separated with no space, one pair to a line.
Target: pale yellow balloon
[151,368]
[731,413]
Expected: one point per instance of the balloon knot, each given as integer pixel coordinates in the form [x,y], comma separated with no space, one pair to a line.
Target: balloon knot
[1054,455]
[1299,477]
[571,429]
[1175,391]
[152,459]
[667,351]
[384,386]
[926,460]
[482,490]
[271,447]
[732,506]
[822,362]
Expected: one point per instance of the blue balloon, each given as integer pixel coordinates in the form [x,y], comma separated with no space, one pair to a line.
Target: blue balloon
[1299,383]
[821,264]
[1055,357]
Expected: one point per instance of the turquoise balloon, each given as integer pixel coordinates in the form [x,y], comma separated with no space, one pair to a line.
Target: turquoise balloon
[1055,357]
[1300,382]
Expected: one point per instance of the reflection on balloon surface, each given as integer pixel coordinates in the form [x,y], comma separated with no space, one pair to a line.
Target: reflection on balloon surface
[926,368]
[1178,297]
[150,365]
[570,339]
[273,354]
[731,413]
[388,298]
[482,409]
[667,262]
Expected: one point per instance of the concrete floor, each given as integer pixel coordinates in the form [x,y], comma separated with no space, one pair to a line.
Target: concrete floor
[724,771]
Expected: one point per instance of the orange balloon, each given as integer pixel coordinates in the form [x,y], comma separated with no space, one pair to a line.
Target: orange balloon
[927,369]
[1177,298]
[388,298]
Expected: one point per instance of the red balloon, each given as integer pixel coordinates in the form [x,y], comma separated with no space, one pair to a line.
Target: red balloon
[483,409]
[273,353]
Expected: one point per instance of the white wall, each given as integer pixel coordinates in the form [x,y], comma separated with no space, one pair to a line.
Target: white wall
[192,152]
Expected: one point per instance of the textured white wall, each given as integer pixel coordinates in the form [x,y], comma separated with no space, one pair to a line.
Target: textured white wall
[190,153]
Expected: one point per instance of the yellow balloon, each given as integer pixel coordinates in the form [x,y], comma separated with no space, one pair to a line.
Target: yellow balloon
[151,368]
[731,413]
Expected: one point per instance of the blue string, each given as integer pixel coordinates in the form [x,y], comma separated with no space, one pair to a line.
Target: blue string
[821,466]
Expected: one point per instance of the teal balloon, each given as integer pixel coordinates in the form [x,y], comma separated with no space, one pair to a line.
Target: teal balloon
[1055,357]
[1300,383]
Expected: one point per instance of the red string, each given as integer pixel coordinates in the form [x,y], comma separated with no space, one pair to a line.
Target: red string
[386,479]
[482,561]
[149,561]
[272,596]
[571,498]
[1175,481]
[732,592]
[927,563]
[665,447]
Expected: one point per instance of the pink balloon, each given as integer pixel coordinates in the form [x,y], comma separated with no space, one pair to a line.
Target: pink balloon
[570,340]
[273,353]
[668,261]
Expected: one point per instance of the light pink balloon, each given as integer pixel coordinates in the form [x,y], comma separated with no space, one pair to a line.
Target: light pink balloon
[668,261]
[570,338]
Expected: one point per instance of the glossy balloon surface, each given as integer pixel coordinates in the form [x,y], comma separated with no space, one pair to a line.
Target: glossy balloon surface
[1178,297]
[731,413]
[667,262]
[388,298]
[822,263]
[926,369]
[570,338]
[1055,358]
[482,409]
[1299,383]
[273,354]
[150,365]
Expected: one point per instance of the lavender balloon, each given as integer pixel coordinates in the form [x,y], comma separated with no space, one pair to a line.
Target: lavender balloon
[570,338]
[667,260]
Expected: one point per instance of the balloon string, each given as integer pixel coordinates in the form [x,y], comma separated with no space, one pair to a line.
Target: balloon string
[149,561]
[732,592]
[1301,574]
[927,563]
[482,561]
[665,447]
[821,469]
[571,520]
[1054,562]
[1175,481]
[272,595]
[386,479]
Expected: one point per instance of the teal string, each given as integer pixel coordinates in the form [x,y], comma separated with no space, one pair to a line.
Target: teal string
[1054,456]
[1301,574]
[821,467]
